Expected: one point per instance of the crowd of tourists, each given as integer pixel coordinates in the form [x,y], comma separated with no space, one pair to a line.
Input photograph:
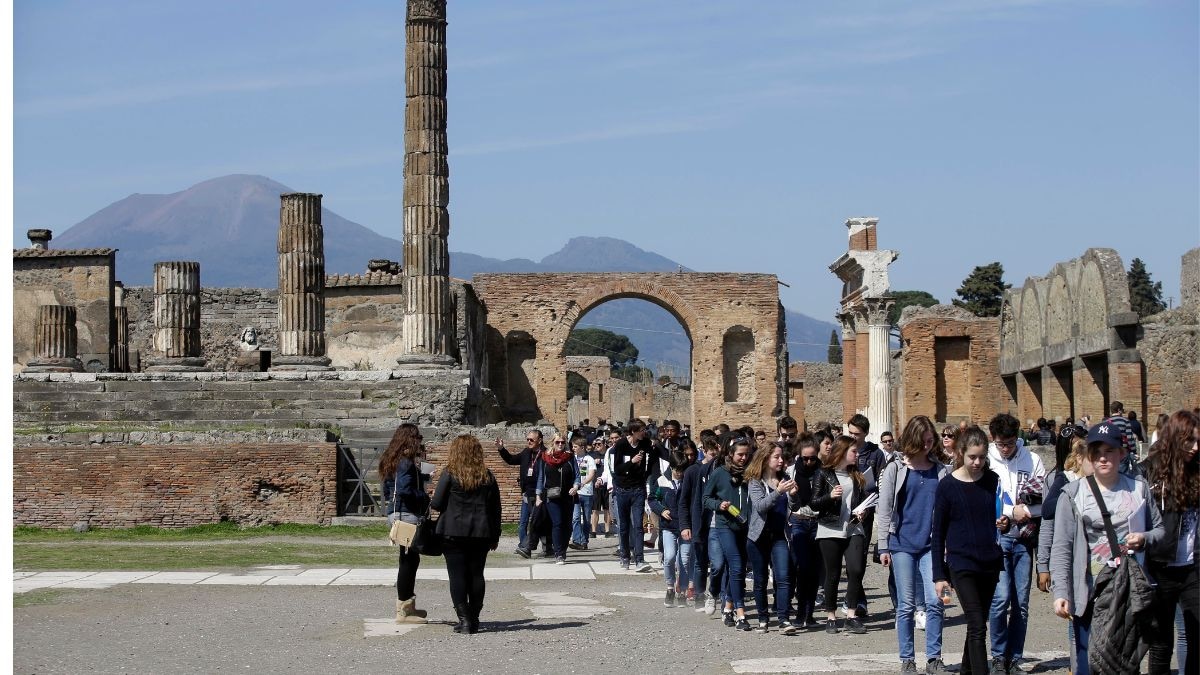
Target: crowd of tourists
[965,514]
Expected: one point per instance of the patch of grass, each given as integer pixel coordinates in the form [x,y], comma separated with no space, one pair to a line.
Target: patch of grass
[42,596]
[34,556]
[145,533]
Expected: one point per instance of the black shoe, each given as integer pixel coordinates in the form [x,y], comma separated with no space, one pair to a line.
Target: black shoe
[855,625]
[788,628]
[575,547]
[762,626]
[616,553]
[463,623]
[742,624]
[998,666]
[523,552]
[727,618]
[669,601]
[935,667]
[831,626]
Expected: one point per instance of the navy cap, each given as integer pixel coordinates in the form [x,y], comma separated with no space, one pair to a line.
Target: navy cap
[1106,433]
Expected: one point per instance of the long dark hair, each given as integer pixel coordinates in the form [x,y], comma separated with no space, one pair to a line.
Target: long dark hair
[405,444]
[838,452]
[1174,477]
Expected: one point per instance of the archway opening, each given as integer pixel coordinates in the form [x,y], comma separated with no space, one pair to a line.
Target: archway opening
[649,371]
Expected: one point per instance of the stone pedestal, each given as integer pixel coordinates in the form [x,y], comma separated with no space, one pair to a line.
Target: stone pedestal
[176,318]
[57,341]
[301,284]
[426,264]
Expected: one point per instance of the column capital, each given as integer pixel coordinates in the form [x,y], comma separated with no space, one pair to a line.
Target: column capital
[427,10]
[876,310]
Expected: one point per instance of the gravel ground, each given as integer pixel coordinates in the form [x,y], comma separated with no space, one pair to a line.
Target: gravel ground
[271,629]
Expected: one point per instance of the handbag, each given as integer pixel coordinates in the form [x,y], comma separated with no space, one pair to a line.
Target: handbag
[401,533]
[427,540]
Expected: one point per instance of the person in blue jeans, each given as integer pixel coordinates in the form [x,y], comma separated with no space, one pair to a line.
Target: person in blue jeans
[1009,613]
[582,513]
[527,459]
[769,489]
[631,456]
[907,491]
[727,495]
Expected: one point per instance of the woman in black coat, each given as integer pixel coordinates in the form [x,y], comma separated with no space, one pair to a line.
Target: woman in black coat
[469,500]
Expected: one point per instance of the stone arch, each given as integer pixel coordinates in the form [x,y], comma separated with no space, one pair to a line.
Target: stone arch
[738,364]
[1060,310]
[1032,330]
[1091,308]
[621,289]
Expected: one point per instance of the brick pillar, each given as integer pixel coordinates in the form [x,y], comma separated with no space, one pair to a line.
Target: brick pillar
[1089,394]
[176,318]
[863,236]
[426,269]
[849,366]
[301,284]
[862,382]
[57,341]
[1028,394]
[1056,394]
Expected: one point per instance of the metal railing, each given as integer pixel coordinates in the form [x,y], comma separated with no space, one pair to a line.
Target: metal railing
[358,485]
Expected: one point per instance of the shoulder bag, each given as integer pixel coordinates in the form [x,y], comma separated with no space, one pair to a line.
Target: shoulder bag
[427,540]
[402,533]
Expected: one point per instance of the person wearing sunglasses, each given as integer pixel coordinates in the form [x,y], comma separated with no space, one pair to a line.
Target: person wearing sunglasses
[806,557]
[527,481]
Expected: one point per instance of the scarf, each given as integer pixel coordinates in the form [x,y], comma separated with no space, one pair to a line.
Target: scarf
[555,459]
[735,472]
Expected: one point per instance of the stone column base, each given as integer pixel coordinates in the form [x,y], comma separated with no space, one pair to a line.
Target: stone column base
[183,364]
[425,361]
[67,365]
[301,363]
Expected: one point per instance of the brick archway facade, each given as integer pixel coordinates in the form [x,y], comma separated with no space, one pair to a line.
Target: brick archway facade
[543,309]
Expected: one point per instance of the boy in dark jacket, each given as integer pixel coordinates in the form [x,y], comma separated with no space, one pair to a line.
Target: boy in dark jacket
[664,501]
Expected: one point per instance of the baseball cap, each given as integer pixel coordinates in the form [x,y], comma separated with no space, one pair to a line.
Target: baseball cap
[1105,433]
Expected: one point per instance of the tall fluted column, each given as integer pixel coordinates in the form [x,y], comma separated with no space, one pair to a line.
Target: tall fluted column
[120,342]
[426,269]
[879,405]
[176,318]
[57,341]
[301,284]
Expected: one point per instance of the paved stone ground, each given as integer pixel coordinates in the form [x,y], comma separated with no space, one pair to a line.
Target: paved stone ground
[590,621]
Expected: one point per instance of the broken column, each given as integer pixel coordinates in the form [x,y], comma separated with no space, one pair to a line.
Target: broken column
[39,238]
[57,341]
[176,318]
[120,342]
[426,265]
[301,284]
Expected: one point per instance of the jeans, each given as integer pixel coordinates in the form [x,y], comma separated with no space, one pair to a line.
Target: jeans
[975,591]
[914,576]
[465,559]
[806,561]
[833,550]
[771,549]
[523,522]
[1081,627]
[1010,606]
[699,567]
[1177,589]
[733,547]
[671,557]
[560,526]
[582,519]
[631,505]
[717,571]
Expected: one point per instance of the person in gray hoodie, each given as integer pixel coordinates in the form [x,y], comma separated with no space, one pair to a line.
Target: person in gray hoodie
[1081,549]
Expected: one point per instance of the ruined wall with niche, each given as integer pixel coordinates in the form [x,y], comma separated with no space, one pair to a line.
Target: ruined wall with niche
[815,393]
[531,315]
[1170,347]
[82,278]
[949,365]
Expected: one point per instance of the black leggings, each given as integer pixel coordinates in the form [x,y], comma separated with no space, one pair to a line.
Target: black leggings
[406,577]
[975,591]
[1176,586]
[465,560]
[852,549]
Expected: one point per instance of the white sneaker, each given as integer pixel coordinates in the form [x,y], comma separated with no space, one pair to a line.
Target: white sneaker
[919,619]
[710,606]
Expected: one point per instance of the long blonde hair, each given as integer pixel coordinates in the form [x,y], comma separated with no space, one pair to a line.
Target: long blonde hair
[465,463]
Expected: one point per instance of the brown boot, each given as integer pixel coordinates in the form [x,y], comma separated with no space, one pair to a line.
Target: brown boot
[407,612]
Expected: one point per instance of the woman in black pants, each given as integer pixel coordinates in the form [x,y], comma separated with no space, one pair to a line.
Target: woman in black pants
[837,491]
[1173,470]
[405,488]
[469,499]
[965,510]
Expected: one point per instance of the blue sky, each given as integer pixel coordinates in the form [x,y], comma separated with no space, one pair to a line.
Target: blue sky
[727,136]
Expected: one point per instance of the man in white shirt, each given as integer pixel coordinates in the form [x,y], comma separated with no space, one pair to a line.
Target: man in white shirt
[581,515]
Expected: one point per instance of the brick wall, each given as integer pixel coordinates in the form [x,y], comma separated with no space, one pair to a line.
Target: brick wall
[818,388]
[950,365]
[174,485]
[59,278]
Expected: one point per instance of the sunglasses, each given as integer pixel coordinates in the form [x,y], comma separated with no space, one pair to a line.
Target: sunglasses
[560,442]
[809,460]
[787,436]
[947,435]
[531,440]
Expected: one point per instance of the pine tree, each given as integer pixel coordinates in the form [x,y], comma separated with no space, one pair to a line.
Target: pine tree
[982,293]
[835,348]
[1145,296]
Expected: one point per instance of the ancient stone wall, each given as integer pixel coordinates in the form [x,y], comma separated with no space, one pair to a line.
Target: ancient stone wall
[815,393]
[1170,349]
[950,365]
[1189,280]
[532,314]
[82,278]
[174,484]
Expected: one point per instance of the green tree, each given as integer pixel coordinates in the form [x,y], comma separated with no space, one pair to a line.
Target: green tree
[835,348]
[902,299]
[1145,295]
[599,342]
[577,385]
[982,293]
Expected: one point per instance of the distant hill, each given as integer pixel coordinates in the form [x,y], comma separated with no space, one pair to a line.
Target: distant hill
[229,225]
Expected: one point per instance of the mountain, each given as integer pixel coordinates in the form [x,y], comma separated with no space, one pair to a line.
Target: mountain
[229,225]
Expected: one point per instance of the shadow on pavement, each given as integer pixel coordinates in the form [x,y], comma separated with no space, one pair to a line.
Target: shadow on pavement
[527,624]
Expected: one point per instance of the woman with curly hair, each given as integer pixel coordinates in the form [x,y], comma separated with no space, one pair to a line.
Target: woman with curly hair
[469,500]
[838,488]
[1173,469]
[404,488]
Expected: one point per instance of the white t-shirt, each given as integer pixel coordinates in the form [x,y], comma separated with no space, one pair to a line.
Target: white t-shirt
[586,464]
